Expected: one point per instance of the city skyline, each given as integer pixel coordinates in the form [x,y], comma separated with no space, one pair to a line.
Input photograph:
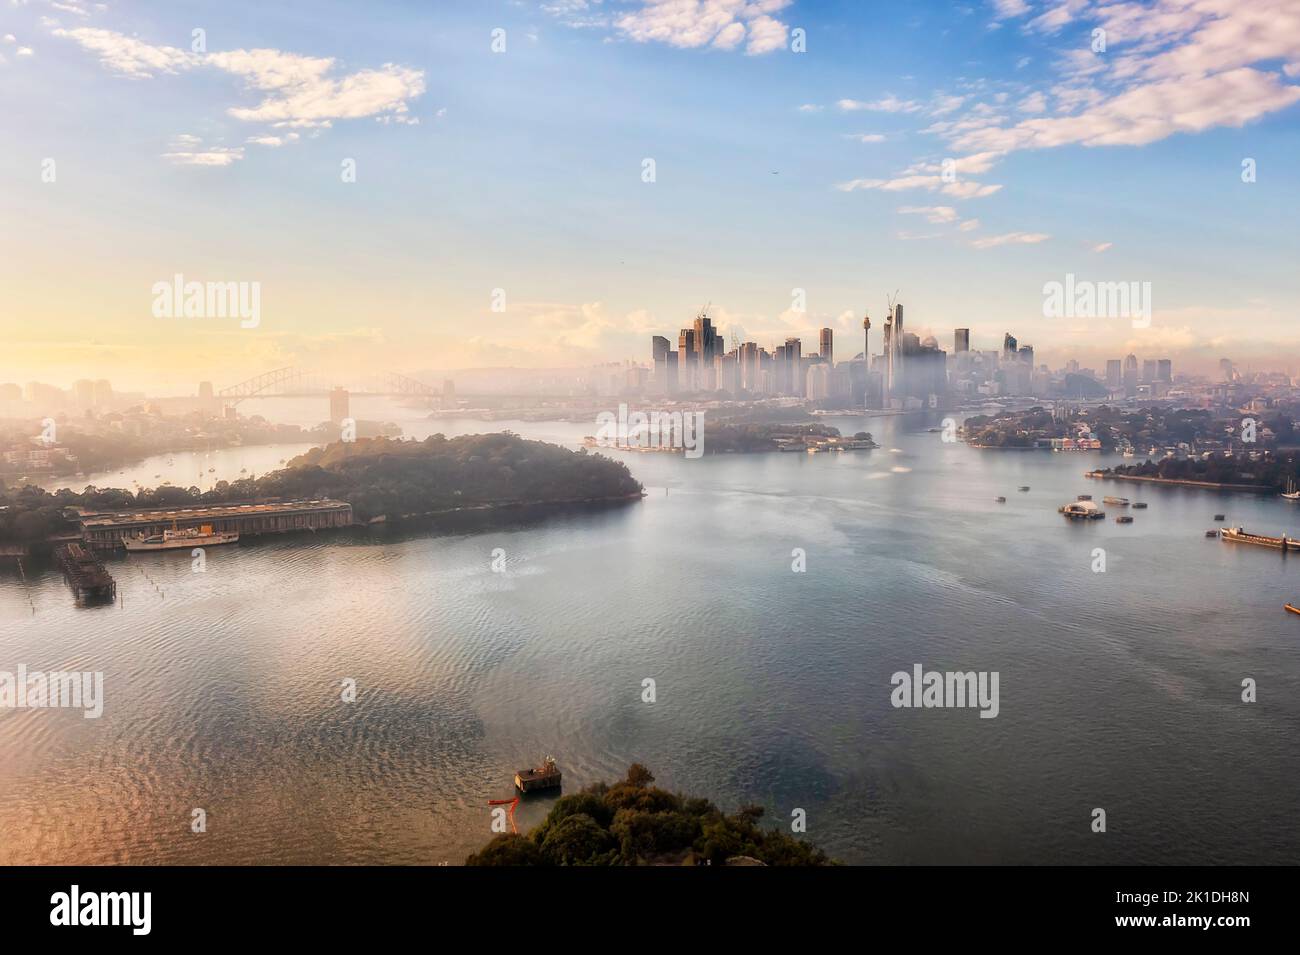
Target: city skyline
[815,175]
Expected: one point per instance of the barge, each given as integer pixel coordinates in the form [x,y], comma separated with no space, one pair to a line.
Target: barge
[1239,535]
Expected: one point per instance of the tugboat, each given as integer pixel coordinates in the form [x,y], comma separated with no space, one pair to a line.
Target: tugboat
[546,776]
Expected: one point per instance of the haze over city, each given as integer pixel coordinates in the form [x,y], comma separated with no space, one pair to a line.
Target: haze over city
[497,211]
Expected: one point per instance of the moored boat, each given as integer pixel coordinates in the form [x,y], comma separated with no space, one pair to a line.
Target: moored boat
[1082,511]
[174,539]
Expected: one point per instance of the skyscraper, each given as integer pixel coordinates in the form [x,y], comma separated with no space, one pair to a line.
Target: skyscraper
[687,360]
[1130,375]
[1165,370]
[827,346]
[794,361]
[1008,347]
[819,382]
[1114,373]
[961,340]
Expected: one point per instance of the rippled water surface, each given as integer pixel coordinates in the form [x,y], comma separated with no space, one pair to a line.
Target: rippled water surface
[1118,690]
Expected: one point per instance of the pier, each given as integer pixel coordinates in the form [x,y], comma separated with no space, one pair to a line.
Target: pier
[85,574]
[105,529]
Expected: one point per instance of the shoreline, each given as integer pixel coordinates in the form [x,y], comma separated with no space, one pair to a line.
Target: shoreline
[1182,482]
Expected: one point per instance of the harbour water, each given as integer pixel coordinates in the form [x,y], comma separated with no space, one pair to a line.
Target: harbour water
[1119,690]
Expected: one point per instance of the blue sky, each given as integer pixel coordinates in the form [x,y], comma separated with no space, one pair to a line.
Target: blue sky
[521,170]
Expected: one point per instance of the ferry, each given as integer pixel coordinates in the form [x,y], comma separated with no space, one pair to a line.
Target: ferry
[1082,511]
[1118,501]
[173,539]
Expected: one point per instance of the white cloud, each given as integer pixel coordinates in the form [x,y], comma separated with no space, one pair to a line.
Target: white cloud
[1102,246]
[810,108]
[865,137]
[888,104]
[722,24]
[1007,9]
[297,90]
[1035,102]
[960,189]
[186,150]
[939,215]
[1172,66]
[1010,238]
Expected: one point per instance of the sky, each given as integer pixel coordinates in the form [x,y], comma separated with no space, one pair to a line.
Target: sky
[440,185]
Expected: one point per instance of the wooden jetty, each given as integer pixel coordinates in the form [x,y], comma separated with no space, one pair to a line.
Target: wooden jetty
[85,574]
[546,776]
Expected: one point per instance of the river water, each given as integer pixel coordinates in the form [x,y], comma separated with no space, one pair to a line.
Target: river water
[1118,690]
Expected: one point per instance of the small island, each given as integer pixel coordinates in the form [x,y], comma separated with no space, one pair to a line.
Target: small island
[633,822]
[1258,473]
[381,478]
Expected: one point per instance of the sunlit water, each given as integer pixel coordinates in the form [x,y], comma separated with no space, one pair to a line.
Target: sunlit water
[1118,690]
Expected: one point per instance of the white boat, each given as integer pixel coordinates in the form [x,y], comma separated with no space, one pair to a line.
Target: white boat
[174,539]
[1291,494]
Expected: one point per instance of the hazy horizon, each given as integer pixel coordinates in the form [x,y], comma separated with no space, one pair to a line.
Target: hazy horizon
[386,178]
